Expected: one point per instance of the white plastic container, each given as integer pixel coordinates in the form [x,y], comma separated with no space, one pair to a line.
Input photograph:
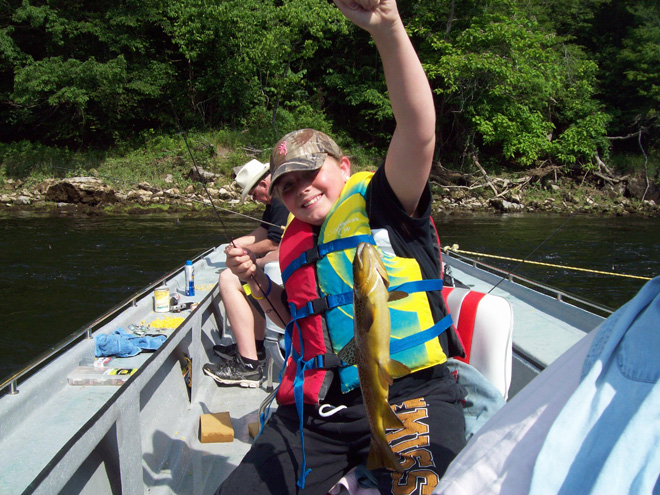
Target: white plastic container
[161,299]
[94,375]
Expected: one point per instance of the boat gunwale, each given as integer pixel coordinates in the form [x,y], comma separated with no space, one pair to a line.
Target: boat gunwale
[512,277]
[109,415]
[11,382]
[86,330]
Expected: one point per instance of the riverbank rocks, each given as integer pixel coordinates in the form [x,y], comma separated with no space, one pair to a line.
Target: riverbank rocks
[503,205]
[86,190]
[540,190]
[198,174]
[641,189]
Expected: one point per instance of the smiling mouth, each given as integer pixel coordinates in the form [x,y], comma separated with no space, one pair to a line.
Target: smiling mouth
[312,201]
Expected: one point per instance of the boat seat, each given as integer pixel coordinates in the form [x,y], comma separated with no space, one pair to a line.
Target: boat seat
[484,323]
[273,342]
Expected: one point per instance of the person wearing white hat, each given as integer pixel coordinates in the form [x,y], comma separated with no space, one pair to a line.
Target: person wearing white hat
[242,362]
[249,175]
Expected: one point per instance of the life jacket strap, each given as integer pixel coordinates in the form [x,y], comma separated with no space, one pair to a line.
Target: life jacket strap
[317,252]
[418,286]
[298,395]
[331,360]
[421,337]
[320,305]
[326,361]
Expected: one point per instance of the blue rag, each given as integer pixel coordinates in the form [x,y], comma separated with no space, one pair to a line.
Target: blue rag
[123,344]
[483,400]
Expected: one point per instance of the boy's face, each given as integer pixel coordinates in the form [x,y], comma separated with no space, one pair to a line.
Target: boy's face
[310,195]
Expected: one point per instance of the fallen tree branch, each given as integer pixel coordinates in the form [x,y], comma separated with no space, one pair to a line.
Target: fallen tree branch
[468,188]
[492,186]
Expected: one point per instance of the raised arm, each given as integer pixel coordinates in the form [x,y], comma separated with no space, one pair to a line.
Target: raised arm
[409,158]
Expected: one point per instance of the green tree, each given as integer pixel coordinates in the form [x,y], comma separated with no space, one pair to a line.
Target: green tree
[515,92]
[84,71]
[630,73]
[250,60]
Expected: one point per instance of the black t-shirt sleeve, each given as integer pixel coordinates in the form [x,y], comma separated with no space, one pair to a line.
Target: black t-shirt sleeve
[411,237]
[277,214]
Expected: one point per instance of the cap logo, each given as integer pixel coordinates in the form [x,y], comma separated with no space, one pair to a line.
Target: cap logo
[282,148]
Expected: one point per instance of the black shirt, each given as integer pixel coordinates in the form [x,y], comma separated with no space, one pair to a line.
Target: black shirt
[274,215]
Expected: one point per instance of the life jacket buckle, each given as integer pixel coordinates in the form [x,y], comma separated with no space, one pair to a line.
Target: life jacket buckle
[312,255]
[320,305]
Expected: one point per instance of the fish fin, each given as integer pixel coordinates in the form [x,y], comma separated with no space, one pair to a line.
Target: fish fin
[392,369]
[382,271]
[368,318]
[384,375]
[397,369]
[378,459]
[347,353]
[395,295]
[390,420]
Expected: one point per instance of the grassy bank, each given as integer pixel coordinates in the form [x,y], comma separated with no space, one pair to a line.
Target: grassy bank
[163,162]
[151,157]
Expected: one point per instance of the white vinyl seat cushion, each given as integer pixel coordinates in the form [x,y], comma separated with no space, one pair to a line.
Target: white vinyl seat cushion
[486,331]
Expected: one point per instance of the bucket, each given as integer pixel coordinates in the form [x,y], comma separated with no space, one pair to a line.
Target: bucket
[162,299]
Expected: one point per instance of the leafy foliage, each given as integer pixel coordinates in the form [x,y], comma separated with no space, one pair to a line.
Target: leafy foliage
[516,83]
[517,91]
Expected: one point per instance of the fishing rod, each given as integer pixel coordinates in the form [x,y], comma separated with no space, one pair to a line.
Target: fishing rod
[206,190]
[231,238]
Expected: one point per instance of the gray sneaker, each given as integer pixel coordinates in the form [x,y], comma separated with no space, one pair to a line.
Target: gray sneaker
[229,353]
[234,372]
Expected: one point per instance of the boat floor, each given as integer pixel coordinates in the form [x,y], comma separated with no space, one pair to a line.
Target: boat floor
[217,460]
[42,425]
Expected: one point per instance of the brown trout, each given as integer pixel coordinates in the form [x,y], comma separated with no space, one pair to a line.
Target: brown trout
[371,324]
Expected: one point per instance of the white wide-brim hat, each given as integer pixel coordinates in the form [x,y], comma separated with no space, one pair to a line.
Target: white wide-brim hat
[249,174]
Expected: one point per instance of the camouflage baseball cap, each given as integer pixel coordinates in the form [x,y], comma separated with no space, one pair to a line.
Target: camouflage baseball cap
[301,150]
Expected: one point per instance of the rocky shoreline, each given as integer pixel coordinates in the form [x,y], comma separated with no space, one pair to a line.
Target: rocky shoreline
[539,190]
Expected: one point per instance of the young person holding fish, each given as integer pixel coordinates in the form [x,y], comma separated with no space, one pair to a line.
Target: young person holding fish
[325,424]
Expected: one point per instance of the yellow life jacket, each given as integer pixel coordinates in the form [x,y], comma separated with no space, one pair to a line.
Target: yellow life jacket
[318,276]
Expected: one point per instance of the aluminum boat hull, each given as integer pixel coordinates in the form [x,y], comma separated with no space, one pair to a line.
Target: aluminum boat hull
[143,436]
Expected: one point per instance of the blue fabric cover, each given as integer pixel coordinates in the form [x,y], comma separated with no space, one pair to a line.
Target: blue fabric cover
[605,440]
[483,399]
[120,343]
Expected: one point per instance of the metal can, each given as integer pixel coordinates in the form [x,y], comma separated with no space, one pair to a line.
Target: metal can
[162,299]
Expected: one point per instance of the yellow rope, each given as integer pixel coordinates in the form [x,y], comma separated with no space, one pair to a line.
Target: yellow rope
[472,253]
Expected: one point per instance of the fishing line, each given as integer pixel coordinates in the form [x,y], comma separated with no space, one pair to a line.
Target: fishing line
[231,239]
[217,213]
[534,250]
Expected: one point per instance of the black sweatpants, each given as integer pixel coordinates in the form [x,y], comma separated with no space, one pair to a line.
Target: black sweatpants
[434,433]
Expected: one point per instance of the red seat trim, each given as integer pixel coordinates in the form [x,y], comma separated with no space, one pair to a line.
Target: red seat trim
[466,318]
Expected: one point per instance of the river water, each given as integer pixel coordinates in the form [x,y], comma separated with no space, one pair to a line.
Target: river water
[61,272]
